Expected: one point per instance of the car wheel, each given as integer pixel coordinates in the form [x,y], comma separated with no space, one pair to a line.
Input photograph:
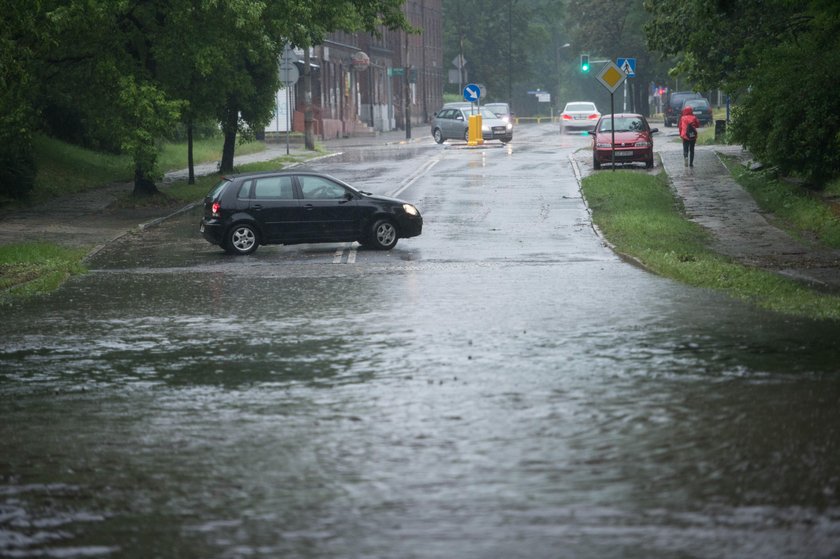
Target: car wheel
[242,239]
[595,163]
[438,135]
[649,163]
[383,235]
[467,135]
[505,140]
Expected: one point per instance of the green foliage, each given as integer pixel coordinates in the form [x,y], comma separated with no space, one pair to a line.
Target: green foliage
[640,216]
[775,56]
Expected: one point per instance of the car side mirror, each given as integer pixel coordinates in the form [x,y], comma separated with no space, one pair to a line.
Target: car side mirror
[459,117]
[654,130]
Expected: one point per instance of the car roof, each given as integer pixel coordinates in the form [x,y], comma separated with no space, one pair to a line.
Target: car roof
[623,115]
[256,174]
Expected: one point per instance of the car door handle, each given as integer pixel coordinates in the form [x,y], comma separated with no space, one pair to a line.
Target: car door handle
[309,207]
[257,207]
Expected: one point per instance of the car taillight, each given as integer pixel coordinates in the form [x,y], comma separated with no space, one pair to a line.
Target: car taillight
[593,117]
[214,209]
[567,117]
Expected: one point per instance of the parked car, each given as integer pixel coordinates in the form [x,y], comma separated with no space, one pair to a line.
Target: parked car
[579,116]
[633,140]
[701,109]
[245,211]
[674,105]
[501,110]
[452,122]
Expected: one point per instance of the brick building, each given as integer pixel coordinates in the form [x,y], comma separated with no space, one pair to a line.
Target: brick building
[362,84]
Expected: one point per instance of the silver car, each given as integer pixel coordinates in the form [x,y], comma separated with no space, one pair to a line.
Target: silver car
[452,122]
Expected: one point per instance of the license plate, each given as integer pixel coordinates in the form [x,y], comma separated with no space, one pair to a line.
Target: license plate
[624,154]
[580,117]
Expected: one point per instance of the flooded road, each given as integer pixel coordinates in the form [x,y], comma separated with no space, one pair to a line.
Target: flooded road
[501,386]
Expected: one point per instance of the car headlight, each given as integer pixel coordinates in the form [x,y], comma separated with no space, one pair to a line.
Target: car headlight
[509,127]
[602,145]
[642,144]
[485,128]
[410,210]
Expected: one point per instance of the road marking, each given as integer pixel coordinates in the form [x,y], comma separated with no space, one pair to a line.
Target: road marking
[416,176]
[351,254]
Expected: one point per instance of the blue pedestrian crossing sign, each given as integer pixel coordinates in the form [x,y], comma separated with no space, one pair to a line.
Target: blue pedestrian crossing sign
[472,93]
[627,65]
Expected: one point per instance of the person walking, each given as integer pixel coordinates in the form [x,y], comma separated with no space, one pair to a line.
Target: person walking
[688,132]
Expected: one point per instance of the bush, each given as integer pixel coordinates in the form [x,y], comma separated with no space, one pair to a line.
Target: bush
[17,167]
[791,116]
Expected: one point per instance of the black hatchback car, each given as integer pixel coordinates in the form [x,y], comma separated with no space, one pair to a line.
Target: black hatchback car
[292,207]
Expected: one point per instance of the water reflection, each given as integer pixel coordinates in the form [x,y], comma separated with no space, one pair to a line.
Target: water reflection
[182,403]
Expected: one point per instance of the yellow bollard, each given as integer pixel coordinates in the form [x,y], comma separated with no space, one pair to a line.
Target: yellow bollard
[475,136]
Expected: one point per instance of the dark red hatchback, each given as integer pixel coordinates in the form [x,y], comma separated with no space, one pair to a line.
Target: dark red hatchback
[243,212]
[633,140]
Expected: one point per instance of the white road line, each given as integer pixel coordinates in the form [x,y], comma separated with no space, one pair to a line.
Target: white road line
[338,255]
[412,179]
[351,256]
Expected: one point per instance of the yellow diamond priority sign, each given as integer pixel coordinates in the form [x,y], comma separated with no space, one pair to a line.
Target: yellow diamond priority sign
[611,76]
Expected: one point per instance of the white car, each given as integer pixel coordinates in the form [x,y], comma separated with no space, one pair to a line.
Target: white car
[579,116]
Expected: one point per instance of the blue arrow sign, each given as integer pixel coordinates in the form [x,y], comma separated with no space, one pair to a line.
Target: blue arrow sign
[627,65]
[472,93]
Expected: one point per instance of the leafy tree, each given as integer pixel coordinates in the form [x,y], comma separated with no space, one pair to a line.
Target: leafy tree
[612,29]
[777,58]
[19,37]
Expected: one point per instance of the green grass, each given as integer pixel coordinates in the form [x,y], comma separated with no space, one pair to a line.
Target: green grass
[805,214]
[67,169]
[29,268]
[640,216]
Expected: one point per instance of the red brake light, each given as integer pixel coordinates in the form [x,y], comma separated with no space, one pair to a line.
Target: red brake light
[567,117]
[593,116]
[215,208]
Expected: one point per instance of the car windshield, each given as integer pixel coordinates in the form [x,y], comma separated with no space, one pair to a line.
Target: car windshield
[499,109]
[623,124]
[696,104]
[580,108]
[484,112]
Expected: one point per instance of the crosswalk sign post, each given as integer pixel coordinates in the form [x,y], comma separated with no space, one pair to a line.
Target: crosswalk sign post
[611,77]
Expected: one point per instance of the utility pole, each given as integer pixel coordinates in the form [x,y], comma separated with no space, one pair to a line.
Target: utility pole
[309,139]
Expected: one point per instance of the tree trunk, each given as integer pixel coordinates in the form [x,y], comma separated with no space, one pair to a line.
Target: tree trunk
[190,162]
[229,148]
[309,138]
[143,186]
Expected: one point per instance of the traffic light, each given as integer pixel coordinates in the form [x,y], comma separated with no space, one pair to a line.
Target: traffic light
[584,63]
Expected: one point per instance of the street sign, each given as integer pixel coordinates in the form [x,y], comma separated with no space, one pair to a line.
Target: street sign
[289,73]
[472,93]
[611,76]
[396,71]
[628,66]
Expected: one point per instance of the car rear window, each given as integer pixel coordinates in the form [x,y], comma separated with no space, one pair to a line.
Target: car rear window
[580,107]
[217,190]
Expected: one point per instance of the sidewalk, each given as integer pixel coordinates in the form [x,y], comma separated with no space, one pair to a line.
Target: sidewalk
[741,231]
